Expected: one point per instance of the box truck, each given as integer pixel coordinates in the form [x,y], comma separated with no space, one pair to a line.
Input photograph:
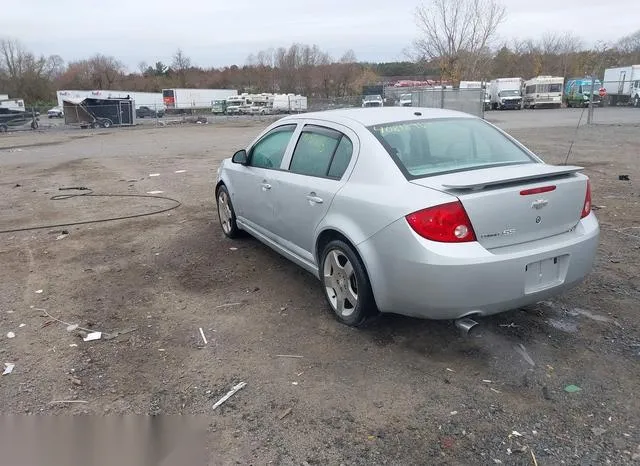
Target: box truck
[622,85]
[506,93]
[183,100]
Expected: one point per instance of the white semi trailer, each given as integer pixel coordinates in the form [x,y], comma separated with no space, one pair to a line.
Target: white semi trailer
[622,85]
[152,100]
[182,100]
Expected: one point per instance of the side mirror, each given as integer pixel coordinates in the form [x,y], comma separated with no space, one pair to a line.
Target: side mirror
[240,157]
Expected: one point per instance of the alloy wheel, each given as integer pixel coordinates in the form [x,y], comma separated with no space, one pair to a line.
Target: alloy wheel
[224,211]
[340,283]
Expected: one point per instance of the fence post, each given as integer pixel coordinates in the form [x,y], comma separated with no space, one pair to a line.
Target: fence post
[441,94]
[590,114]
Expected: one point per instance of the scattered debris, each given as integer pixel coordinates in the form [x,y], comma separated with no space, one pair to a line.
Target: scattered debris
[229,394]
[11,335]
[155,192]
[112,335]
[533,458]
[522,351]
[73,345]
[453,413]
[93,336]
[300,373]
[285,414]
[598,431]
[180,171]
[204,339]
[494,390]
[72,327]
[289,356]
[76,381]
[228,305]
[572,389]
[38,291]
[8,368]
[67,401]
[487,381]
[154,174]
[515,433]
[511,325]
[162,349]
[62,235]
[22,325]
[497,461]
[55,319]
[294,383]
[449,370]
[233,249]
[623,177]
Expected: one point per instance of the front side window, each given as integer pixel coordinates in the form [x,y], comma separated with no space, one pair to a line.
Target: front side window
[430,147]
[321,152]
[269,151]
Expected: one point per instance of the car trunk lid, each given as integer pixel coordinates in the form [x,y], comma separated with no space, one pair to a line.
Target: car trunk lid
[515,204]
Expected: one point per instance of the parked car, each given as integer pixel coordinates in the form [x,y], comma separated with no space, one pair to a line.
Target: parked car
[423,212]
[147,112]
[55,112]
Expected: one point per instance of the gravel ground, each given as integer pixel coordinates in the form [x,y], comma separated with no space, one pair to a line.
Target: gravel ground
[402,391]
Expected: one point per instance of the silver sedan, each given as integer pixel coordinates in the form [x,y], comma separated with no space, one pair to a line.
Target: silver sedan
[422,212]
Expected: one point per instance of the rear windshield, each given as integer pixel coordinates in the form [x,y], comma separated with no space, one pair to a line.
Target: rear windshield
[431,147]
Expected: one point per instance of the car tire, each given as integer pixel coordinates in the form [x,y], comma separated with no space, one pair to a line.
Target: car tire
[106,123]
[226,213]
[346,284]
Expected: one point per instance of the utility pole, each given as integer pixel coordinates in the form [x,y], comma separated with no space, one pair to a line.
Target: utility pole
[590,114]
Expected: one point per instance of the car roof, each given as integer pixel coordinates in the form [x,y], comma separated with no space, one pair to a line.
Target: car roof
[377,116]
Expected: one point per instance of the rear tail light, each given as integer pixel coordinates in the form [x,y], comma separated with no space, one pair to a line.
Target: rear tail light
[446,223]
[586,207]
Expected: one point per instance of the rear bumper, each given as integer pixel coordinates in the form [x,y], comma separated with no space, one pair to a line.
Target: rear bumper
[416,277]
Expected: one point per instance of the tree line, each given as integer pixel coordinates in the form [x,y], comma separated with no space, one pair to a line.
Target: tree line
[456,41]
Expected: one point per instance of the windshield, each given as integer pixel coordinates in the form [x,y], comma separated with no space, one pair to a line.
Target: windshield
[372,98]
[234,102]
[509,93]
[429,147]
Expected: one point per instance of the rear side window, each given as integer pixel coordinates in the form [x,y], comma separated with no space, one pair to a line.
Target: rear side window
[321,152]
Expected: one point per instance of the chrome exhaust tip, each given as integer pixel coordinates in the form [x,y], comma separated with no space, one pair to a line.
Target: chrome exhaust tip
[466,325]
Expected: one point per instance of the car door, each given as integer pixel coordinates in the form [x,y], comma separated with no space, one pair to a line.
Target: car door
[254,184]
[316,170]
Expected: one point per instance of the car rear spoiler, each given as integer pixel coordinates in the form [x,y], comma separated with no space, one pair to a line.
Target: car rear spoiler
[480,179]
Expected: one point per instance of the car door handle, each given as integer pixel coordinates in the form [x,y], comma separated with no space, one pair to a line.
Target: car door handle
[313,199]
[266,186]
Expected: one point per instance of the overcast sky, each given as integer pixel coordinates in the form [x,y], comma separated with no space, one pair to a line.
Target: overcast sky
[225,32]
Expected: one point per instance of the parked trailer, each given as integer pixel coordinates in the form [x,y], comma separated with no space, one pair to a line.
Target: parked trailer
[183,100]
[289,103]
[93,112]
[153,100]
[543,91]
[506,93]
[623,85]
[578,92]
[16,105]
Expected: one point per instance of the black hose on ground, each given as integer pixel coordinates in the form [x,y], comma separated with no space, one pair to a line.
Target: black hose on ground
[89,193]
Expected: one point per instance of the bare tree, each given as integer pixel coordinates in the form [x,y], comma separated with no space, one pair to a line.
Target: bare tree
[458,34]
[180,64]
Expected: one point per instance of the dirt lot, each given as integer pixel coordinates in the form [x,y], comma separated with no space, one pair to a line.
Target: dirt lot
[402,391]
